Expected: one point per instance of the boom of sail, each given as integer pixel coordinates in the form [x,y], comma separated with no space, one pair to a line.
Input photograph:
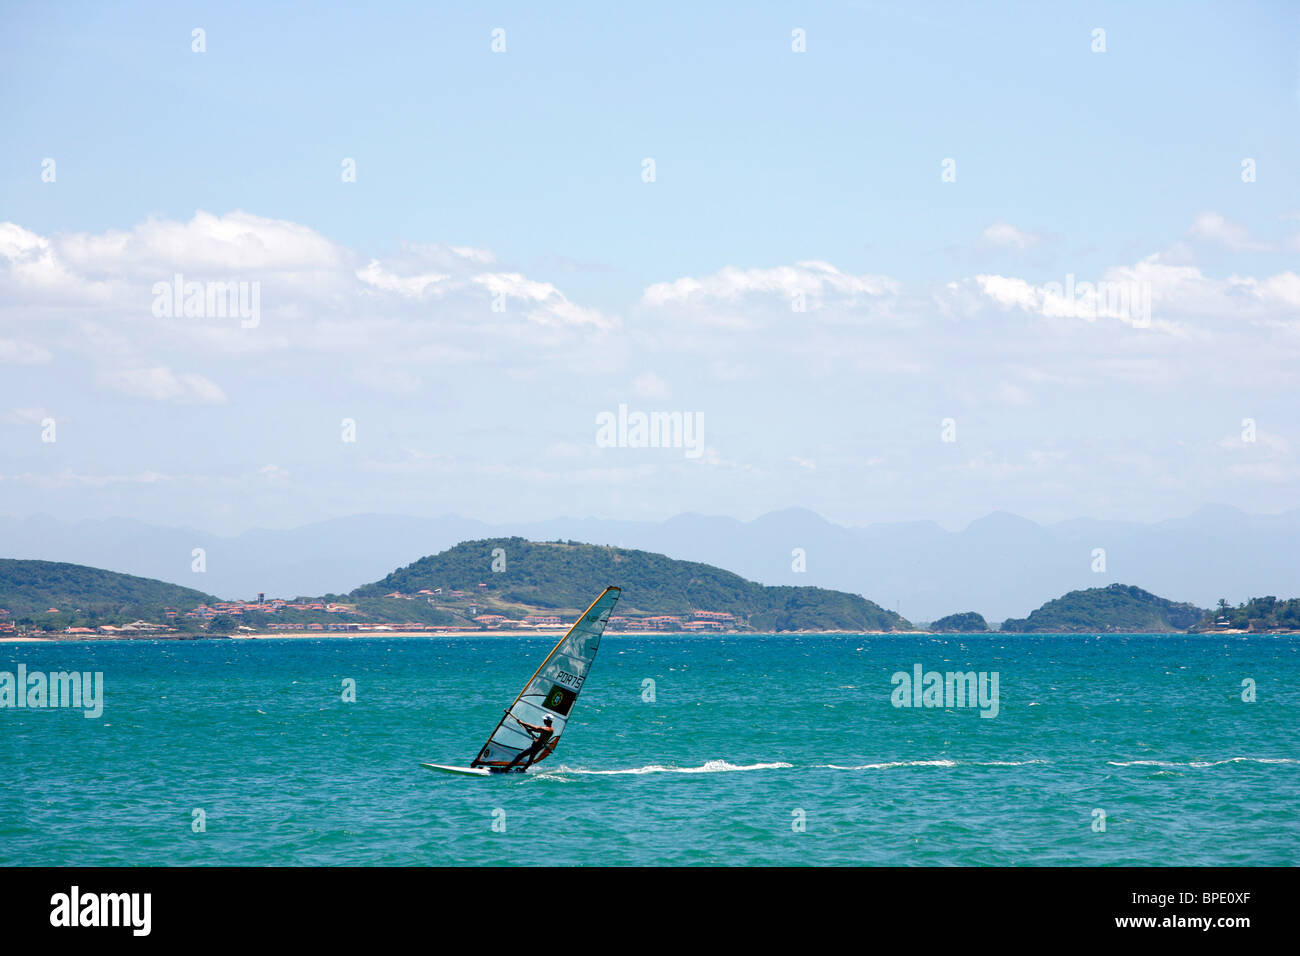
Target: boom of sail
[551,690]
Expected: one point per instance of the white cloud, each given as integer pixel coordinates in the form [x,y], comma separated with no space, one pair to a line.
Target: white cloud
[27,416]
[1268,443]
[649,385]
[1121,294]
[1002,233]
[1011,394]
[1212,227]
[22,353]
[815,280]
[30,265]
[549,305]
[408,342]
[236,242]
[1180,296]
[68,479]
[479,256]
[161,384]
[386,319]
[411,287]
[274,474]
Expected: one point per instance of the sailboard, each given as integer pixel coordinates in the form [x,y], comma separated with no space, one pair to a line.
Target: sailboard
[551,691]
[471,771]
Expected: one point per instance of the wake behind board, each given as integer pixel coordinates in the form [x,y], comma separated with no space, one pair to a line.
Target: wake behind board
[549,695]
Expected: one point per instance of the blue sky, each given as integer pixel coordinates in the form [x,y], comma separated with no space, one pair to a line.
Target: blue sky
[1068,162]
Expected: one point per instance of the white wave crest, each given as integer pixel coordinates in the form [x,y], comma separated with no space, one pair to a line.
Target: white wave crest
[932,763]
[1199,763]
[712,766]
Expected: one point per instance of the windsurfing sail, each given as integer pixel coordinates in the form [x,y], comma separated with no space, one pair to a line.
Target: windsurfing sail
[551,690]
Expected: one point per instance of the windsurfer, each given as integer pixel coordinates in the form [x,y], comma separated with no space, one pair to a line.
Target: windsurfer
[541,736]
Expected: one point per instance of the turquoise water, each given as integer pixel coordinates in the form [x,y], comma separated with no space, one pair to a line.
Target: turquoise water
[742,733]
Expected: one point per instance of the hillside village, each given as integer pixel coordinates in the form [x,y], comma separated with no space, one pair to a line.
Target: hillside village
[468,612]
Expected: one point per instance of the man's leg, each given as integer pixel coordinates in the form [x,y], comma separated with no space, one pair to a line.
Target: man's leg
[522,754]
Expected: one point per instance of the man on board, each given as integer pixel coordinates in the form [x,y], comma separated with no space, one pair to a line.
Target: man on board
[541,735]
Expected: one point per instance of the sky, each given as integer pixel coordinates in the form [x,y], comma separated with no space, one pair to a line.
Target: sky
[892,261]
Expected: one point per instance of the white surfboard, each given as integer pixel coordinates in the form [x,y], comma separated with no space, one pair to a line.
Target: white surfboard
[471,771]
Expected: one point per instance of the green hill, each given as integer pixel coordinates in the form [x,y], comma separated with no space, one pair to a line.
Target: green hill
[1257,614]
[563,577]
[86,597]
[1119,608]
[968,622]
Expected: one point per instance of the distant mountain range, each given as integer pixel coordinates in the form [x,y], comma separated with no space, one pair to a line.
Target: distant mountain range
[1001,565]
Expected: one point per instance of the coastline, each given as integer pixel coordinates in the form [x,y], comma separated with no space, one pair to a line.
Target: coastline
[558,632]
[350,635]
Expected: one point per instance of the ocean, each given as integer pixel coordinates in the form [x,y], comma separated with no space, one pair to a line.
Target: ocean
[684,750]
